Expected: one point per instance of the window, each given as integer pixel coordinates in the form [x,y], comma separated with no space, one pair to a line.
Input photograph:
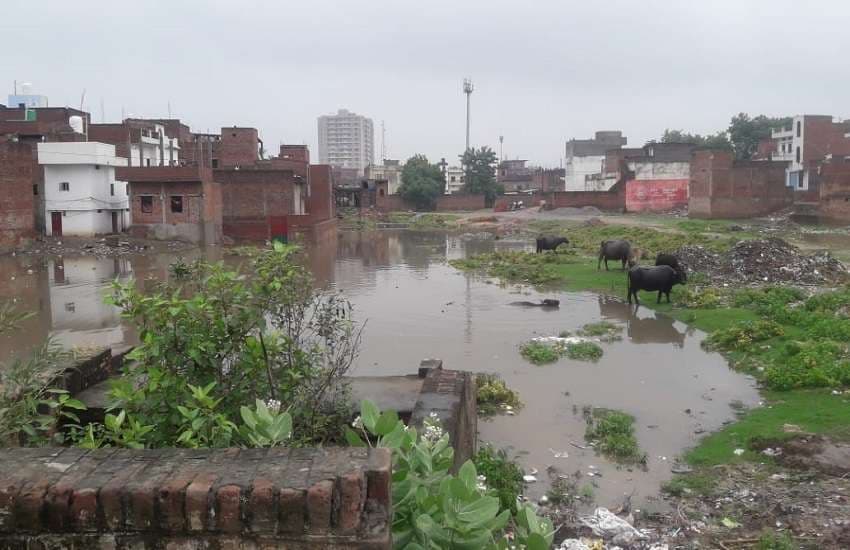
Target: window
[798,154]
[65,186]
[799,128]
[70,307]
[215,163]
[147,205]
[177,204]
[35,189]
[147,162]
[112,189]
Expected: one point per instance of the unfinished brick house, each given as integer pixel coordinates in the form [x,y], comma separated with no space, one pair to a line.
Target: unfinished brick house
[275,198]
[18,190]
[174,203]
[834,191]
[721,187]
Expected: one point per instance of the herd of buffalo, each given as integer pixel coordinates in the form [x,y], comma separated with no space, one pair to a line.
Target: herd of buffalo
[660,278]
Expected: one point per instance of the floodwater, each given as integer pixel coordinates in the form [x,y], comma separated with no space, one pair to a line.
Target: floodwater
[416,306]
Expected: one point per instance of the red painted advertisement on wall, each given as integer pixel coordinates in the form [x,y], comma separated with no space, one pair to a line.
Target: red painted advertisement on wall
[656,195]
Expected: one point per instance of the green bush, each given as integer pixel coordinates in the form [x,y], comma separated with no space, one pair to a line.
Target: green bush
[520,267]
[604,330]
[809,365]
[698,298]
[583,351]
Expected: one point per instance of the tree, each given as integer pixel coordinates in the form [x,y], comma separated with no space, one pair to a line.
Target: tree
[479,170]
[715,141]
[421,182]
[746,132]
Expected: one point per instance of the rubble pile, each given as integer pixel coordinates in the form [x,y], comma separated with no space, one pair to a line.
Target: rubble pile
[764,261]
[103,247]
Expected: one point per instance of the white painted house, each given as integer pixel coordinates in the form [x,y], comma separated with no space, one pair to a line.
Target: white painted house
[81,196]
[585,157]
[454,179]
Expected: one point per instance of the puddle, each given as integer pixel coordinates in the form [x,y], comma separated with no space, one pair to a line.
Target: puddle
[416,306]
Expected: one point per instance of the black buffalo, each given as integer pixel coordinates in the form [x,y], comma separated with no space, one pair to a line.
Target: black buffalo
[550,243]
[659,278]
[545,303]
[615,250]
[672,261]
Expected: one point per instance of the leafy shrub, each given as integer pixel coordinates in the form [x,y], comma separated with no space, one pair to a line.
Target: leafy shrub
[433,508]
[612,434]
[501,475]
[513,266]
[809,365]
[742,335]
[541,353]
[268,336]
[771,540]
[494,395]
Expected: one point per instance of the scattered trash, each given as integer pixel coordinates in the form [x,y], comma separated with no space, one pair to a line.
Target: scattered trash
[609,526]
[529,478]
[770,451]
[559,454]
[679,468]
[738,452]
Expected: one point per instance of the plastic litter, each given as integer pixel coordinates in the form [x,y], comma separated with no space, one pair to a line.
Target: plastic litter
[609,526]
[529,479]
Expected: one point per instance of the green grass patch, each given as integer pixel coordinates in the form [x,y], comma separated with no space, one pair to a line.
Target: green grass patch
[814,411]
[771,540]
[613,434]
[494,396]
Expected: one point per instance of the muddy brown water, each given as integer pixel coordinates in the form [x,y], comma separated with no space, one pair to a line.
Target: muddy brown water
[416,306]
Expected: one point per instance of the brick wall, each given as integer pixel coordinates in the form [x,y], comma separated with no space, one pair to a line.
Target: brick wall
[656,195]
[835,192]
[18,173]
[503,202]
[444,203]
[611,200]
[205,498]
[238,146]
[723,188]
[251,198]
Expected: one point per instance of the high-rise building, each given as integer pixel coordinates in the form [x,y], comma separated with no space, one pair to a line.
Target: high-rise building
[346,140]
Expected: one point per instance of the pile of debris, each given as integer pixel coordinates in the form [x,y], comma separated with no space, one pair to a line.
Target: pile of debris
[764,261]
[110,246]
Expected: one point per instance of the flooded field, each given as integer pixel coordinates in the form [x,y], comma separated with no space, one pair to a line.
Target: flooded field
[416,306]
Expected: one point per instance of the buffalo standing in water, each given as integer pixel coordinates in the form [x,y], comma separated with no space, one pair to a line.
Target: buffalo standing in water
[615,250]
[550,243]
[659,278]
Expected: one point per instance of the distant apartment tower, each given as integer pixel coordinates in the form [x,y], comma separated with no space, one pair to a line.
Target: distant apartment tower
[346,140]
[584,158]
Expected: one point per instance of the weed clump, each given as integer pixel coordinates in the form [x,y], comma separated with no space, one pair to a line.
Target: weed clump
[699,298]
[612,433]
[494,395]
[583,351]
[541,353]
[775,541]
[606,331]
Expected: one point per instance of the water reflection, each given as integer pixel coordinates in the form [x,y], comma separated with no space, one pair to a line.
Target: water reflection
[643,326]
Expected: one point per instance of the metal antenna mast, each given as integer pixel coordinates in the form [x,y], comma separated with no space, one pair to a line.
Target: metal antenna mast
[383,143]
[467,89]
[501,141]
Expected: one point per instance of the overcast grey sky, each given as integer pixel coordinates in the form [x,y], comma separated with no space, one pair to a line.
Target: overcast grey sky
[544,71]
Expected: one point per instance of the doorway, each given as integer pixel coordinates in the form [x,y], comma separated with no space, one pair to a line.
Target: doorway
[115,222]
[56,223]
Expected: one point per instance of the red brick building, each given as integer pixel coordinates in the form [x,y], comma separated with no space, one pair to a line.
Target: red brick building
[835,191]
[18,185]
[238,147]
[723,188]
[170,202]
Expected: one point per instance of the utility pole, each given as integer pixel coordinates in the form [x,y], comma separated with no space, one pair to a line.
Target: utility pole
[501,141]
[467,89]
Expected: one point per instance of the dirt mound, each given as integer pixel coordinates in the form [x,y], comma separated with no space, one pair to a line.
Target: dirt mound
[809,452]
[764,261]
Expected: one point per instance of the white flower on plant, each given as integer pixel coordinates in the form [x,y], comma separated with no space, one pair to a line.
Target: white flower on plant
[273,405]
[482,483]
[433,431]
[434,415]
[358,423]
